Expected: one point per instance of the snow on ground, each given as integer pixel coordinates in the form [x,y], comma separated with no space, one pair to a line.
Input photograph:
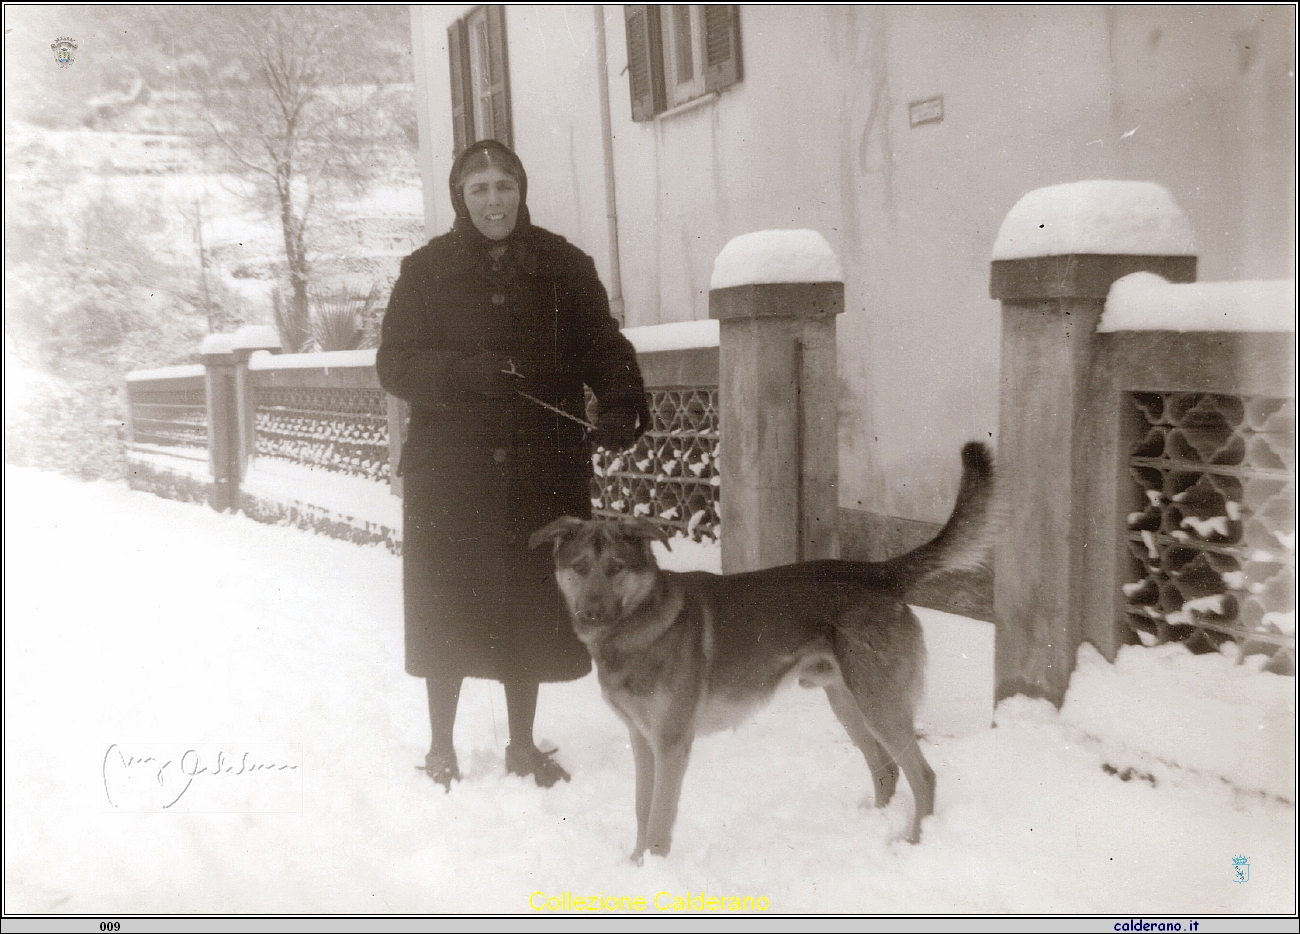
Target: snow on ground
[770,256]
[162,627]
[1096,216]
[1143,301]
[1212,715]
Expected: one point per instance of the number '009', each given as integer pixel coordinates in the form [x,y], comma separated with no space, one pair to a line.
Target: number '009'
[110,925]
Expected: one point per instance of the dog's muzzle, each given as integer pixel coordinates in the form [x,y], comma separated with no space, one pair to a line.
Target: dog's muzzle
[598,615]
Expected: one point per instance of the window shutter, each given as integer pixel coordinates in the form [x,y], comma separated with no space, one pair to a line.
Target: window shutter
[682,43]
[722,67]
[645,60]
[462,98]
[499,70]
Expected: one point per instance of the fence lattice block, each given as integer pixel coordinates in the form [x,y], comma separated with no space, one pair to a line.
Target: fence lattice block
[1212,521]
[172,417]
[671,476]
[342,430]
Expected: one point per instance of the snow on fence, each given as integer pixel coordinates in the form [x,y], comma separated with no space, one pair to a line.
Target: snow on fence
[1146,442]
[316,445]
[1211,534]
[1209,501]
[324,410]
[313,440]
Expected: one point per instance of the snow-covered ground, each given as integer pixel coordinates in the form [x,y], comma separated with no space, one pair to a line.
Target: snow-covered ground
[138,627]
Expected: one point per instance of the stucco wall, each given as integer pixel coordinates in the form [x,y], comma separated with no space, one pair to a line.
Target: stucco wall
[554,112]
[817,135]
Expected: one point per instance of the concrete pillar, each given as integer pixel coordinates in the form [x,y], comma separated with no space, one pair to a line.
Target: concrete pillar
[399,410]
[1058,252]
[777,391]
[247,340]
[218,356]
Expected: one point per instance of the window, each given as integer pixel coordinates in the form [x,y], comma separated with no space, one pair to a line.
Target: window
[480,78]
[678,53]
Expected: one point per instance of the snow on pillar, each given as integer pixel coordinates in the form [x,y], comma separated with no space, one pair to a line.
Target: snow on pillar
[217,352]
[1056,255]
[775,294]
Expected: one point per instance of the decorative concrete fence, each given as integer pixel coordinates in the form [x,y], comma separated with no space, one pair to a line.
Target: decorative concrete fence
[1146,441]
[314,441]
[167,432]
[321,441]
[672,475]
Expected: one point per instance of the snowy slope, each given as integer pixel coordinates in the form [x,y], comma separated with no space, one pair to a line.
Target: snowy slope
[151,624]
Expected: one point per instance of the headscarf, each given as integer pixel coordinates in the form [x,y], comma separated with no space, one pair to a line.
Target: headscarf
[495,153]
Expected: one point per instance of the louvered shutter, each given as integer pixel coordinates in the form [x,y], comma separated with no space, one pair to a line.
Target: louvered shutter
[499,72]
[462,97]
[722,66]
[645,60]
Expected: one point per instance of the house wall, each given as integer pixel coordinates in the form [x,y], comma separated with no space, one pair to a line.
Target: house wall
[817,135]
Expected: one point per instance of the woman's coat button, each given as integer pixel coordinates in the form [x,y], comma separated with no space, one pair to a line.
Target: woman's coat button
[498,299]
[499,455]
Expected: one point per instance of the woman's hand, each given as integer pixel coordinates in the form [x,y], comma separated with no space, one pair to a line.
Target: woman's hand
[616,430]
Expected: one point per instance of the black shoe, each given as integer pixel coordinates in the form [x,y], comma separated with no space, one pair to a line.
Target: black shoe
[442,768]
[529,760]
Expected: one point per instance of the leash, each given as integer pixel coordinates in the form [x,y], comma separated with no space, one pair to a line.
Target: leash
[546,405]
[558,411]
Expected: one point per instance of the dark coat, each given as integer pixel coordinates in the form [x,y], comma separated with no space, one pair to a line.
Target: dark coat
[480,473]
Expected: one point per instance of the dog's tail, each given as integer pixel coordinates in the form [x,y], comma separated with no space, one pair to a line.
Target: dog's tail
[965,540]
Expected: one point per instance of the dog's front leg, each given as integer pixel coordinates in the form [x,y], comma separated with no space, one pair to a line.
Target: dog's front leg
[643,756]
[669,770]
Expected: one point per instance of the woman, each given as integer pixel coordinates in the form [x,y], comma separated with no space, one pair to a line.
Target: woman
[479,317]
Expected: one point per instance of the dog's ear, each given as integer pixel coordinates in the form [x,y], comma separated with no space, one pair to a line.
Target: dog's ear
[644,529]
[556,532]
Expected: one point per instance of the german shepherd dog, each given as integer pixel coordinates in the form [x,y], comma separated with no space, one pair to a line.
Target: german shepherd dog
[684,654]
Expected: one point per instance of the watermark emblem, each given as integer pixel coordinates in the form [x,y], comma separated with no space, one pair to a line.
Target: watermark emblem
[63,48]
[1241,868]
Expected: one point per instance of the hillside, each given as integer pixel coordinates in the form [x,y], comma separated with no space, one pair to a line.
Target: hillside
[131,230]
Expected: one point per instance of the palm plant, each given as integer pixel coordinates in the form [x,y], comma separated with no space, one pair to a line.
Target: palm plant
[293,323]
[340,319]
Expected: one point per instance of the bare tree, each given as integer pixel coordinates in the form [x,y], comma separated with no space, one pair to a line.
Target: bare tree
[284,111]
[193,213]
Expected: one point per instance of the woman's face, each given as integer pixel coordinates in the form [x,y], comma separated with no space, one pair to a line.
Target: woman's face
[492,197]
